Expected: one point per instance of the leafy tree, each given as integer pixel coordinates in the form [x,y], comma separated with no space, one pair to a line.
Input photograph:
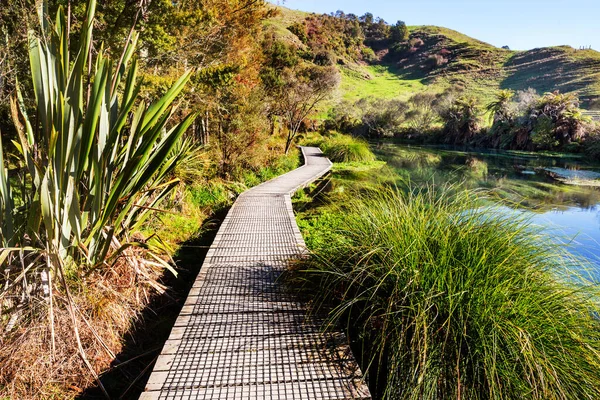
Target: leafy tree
[533,122]
[367,19]
[305,88]
[563,113]
[399,32]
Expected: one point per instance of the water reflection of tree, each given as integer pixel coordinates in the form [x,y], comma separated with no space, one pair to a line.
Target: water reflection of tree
[499,174]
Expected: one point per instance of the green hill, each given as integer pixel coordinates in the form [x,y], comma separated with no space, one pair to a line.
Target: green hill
[435,58]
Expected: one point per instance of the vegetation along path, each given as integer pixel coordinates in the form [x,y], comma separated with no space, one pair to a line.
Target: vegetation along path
[240,334]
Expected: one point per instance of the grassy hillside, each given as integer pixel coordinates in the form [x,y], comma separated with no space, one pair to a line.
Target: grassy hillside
[285,17]
[479,67]
[380,81]
[556,68]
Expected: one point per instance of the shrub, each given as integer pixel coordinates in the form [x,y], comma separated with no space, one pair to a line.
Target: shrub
[325,58]
[96,164]
[299,29]
[435,61]
[345,118]
[452,301]
[542,136]
[416,42]
[422,115]
[383,117]
[592,145]
[461,119]
[368,54]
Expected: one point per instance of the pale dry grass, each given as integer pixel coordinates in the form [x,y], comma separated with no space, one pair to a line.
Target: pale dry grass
[107,305]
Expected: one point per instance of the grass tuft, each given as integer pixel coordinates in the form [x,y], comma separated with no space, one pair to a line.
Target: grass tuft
[453,301]
[343,148]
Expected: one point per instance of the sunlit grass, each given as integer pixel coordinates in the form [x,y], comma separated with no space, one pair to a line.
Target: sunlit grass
[342,148]
[449,300]
[381,82]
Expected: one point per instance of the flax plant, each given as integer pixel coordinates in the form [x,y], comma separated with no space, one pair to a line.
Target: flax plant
[98,161]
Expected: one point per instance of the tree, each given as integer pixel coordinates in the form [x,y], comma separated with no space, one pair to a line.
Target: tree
[399,32]
[367,19]
[500,109]
[461,119]
[560,117]
[305,88]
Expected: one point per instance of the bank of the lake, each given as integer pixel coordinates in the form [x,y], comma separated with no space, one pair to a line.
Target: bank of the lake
[443,264]
[538,185]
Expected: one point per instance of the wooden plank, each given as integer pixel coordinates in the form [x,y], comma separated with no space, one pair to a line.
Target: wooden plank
[240,334]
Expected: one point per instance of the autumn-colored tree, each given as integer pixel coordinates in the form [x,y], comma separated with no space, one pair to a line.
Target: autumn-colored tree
[305,87]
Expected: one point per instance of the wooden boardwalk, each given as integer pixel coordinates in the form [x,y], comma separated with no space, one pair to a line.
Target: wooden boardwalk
[240,334]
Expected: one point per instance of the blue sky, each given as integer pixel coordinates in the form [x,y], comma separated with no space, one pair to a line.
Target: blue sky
[520,24]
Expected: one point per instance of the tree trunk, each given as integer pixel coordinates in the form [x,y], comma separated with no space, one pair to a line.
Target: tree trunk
[273,121]
[203,130]
[290,139]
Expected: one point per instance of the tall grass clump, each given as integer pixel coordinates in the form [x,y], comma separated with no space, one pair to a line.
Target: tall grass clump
[451,301]
[346,148]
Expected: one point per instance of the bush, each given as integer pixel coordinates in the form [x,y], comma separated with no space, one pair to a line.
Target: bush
[592,145]
[451,301]
[435,61]
[416,42]
[325,58]
[299,29]
[383,117]
[368,54]
[461,119]
[345,118]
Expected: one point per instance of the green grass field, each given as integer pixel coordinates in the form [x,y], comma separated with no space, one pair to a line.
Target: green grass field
[377,81]
[480,68]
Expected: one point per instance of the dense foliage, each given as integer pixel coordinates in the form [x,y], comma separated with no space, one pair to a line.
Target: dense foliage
[520,120]
[345,38]
[90,160]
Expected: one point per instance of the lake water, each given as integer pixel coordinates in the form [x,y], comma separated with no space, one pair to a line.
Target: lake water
[547,188]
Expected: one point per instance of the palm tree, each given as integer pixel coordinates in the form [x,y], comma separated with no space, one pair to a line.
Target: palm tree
[499,109]
[461,119]
[562,109]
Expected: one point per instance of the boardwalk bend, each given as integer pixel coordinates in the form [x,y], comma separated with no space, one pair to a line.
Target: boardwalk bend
[240,335]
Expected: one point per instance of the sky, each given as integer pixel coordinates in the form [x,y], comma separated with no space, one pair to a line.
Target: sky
[521,25]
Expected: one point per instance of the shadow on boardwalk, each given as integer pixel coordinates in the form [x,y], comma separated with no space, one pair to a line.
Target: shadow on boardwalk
[130,371]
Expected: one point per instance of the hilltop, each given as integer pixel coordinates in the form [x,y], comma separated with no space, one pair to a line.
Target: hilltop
[435,58]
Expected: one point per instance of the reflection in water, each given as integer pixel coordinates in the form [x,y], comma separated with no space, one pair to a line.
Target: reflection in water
[520,180]
[582,225]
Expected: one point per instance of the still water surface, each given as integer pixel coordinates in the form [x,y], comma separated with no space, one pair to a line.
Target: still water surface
[556,192]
